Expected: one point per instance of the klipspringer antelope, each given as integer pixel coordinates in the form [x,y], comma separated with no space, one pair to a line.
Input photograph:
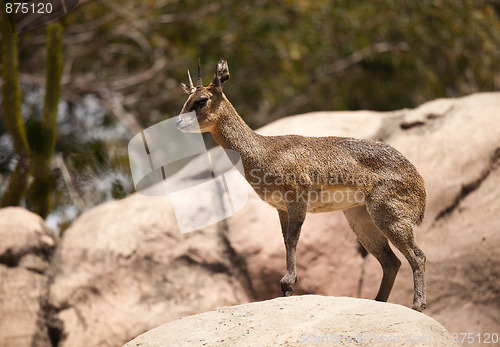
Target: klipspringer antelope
[381,193]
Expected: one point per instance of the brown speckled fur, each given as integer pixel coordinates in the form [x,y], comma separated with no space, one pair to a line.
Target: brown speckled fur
[286,172]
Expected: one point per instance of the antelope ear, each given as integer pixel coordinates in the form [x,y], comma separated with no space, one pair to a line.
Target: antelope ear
[221,74]
[186,88]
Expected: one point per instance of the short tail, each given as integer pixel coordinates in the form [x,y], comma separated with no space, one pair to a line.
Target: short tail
[422,212]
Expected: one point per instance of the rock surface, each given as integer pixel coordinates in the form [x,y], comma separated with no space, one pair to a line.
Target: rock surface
[301,320]
[26,245]
[123,267]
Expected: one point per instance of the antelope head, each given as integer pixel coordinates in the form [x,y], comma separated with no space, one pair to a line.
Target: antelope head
[201,110]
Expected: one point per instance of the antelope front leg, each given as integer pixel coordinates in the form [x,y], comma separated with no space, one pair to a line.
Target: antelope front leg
[291,223]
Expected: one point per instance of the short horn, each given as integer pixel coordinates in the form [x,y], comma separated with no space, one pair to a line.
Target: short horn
[190,80]
[199,84]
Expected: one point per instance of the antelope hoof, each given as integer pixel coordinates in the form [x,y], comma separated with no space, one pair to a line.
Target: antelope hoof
[286,285]
[286,289]
[419,306]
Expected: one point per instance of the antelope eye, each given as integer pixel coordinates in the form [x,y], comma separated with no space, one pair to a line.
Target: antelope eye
[201,102]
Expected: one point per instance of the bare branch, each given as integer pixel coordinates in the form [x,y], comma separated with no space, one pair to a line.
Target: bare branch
[140,77]
[58,162]
[113,104]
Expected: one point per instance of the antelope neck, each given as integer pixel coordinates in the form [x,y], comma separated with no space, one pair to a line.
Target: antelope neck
[231,132]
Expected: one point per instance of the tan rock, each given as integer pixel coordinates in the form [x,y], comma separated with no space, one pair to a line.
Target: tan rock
[298,321]
[26,245]
[362,124]
[123,268]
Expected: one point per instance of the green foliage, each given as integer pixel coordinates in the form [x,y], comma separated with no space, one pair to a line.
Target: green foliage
[283,54]
[11,107]
[118,191]
[91,157]
[53,87]
[34,150]
[285,57]
[39,193]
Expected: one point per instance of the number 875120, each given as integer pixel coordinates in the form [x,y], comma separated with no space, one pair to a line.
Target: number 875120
[23,7]
[474,338]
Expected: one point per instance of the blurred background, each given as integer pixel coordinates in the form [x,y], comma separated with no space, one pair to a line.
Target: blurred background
[76,91]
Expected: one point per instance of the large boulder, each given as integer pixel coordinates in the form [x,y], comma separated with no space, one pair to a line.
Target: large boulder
[123,268]
[26,245]
[301,320]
